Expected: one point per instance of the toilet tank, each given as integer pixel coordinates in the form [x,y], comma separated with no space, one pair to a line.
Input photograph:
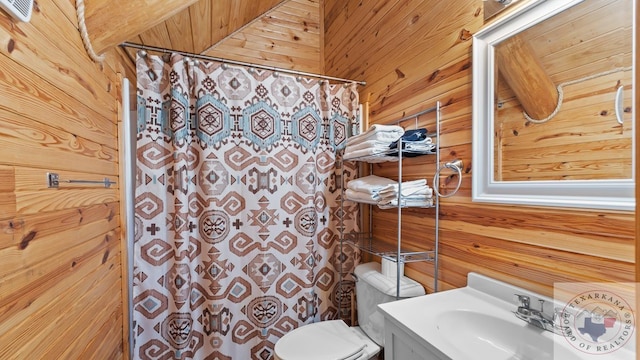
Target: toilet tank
[373,288]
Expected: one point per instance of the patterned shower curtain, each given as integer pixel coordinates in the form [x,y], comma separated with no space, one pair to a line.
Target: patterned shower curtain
[237,208]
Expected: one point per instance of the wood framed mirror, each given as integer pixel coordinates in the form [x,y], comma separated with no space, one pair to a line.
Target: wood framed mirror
[553,105]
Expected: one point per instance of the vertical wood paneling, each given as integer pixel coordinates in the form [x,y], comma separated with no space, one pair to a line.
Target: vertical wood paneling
[220,17]
[287,36]
[61,277]
[157,35]
[180,33]
[201,24]
[277,33]
[204,24]
[413,53]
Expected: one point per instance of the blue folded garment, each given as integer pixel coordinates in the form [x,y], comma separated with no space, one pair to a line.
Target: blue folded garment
[414,143]
[410,136]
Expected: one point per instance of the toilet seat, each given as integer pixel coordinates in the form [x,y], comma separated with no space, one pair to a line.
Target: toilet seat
[325,340]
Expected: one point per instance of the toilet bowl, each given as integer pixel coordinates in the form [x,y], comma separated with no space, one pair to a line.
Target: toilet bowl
[334,339]
[326,340]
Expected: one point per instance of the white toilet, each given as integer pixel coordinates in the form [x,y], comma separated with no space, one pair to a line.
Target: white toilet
[334,340]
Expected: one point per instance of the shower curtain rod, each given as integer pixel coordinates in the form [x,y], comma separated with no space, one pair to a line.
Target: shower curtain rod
[234,62]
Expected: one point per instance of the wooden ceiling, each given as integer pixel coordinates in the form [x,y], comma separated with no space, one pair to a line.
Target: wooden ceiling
[278,33]
[203,24]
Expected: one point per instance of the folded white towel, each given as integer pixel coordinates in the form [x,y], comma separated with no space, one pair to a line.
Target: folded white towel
[408,188]
[406,203]
[359,196]
[420,146]
[352,152]
[370,184]
[423,193]
[378,132]
[369,144]
[419,149]
[369,155]
[424,141]
[411,184]
[410,191]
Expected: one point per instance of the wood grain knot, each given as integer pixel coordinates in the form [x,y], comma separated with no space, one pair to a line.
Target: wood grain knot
[465,35]
[25,240]
[434,75]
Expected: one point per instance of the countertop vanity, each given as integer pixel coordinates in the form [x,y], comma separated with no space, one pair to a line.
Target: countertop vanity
[480,321]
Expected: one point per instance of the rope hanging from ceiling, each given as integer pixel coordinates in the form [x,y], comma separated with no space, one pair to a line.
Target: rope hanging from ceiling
[85,34]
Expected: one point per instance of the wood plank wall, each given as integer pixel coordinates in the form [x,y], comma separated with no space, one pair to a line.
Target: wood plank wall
[584,140]
[275,33]
[203,24]
[61,288]
[288,36]
[413,53]
[61,254]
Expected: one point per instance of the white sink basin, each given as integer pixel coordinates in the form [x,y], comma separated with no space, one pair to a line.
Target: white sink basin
[497,338]
[477,322]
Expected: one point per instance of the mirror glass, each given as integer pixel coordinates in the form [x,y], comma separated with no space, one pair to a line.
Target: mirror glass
[553,95]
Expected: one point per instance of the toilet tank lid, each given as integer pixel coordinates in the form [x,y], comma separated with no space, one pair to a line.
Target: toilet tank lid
[371,274]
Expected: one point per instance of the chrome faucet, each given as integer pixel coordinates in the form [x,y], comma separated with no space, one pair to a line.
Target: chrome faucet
[538,318]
